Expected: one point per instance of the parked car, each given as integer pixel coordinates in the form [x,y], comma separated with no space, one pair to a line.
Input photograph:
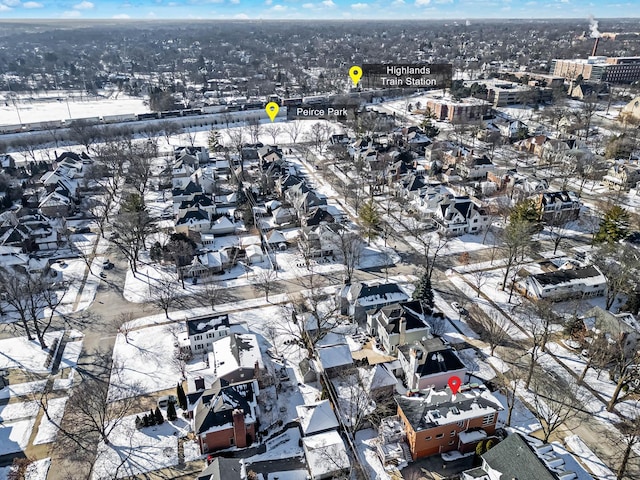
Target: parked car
[458,308]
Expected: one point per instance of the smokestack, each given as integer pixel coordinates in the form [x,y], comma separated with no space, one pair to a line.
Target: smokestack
[595,47]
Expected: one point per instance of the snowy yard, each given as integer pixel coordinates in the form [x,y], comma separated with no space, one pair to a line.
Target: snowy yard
[35,471]
[20,352]
[48,429]
[144,364]
[132,451]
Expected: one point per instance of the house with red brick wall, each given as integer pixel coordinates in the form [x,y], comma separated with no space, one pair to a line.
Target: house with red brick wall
[225,416]
[437,421]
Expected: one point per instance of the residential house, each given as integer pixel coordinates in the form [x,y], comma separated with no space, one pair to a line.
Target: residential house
[398,324]
[56,204]
[225,416]
[7,161]
[335,359]
[207,263]
[460,215]
[319,240]
[303,198]
[533,145]
[510,129]
[355,299]
[558,206]
[316,418]
[437,421]
[205,330]
[565,283]
[622,176]
[222,468]
[236,357]
[475,167]
[523,457]
[326,455]
[191,220]
[619,327]
[429,363]
[378,381]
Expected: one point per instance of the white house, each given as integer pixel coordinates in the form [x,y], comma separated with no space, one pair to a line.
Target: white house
[460,215]
[565,283]
[326,455]
[203,331]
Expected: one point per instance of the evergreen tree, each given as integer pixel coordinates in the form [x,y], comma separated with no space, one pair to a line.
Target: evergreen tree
[182,398]
[152,418]
[614,225]
[370,218]
[526,212]
[145,420]
[139,423]
[158,416]
[424,291]
[171,412]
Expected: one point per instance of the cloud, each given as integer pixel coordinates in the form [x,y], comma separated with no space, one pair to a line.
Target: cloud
[71,14]
[422,3]
[83,6]
[235,2]
[121,16]
[308,5]
[241,16]
[278,8]
[328,3]
[4,8]
[359,6]
[32,5]
[268,2]
[11,3]
[397,2]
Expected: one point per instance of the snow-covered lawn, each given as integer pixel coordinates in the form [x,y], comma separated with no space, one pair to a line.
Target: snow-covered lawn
[132,451]
[18,411]
[22,389]
[35,471]
[14,436]
[145,363]
[20,352]
[71,354]
[280,447]
[48,429]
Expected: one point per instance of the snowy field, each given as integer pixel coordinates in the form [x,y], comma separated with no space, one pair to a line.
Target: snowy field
[14,436]
[42,110]
[132,451]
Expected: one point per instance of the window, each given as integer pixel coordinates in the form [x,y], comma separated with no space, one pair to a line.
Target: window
[461,423]
[440,435]
[232,442]
[198,337]
[488,419]
[199,347]
[453,433]
[452,442]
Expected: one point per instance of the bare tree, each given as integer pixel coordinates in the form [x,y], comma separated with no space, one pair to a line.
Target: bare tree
[274,129]
[630,429]
[538,318]
[265,282]
[479,278]
[122,323]
[169,129]
[255,128]
[319,134]
[293,129]
[84,133]
[495,327]
[140,162]
[164,294]
[350,247]
[431,243]
[211,294]
[554,405]
[620,266]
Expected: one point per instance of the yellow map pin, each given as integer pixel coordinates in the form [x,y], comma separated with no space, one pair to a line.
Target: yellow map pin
[272,109]
[355,73]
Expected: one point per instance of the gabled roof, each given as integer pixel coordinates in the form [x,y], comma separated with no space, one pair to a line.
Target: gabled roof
[514,458]
[222,468]
[335,356]
[207,323]
[438,356]
[378,293]
[567,275]
[218,411]
[316,417]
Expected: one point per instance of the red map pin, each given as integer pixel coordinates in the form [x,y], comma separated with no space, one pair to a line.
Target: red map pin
[454,384]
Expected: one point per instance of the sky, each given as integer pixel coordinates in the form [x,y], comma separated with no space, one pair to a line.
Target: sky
[317,9]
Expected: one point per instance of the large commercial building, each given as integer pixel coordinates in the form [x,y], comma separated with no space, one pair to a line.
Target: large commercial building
[600,69]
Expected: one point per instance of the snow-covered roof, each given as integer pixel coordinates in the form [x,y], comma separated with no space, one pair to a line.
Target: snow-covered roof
[326,454]
[316,417]
[234,352]
[204,324]
[335,356]
[376,377]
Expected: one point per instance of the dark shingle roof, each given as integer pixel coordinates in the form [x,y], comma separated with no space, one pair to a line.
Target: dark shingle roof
[566,275]
[514,458]
[209,322]
[218,411]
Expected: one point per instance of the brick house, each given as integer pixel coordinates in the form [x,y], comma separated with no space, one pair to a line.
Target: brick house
[225,416]
[437,421]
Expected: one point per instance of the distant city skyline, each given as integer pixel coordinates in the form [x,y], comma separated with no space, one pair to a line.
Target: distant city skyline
[316,9]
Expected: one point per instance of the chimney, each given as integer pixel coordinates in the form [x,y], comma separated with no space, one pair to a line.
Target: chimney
[239,428]
[595,47]
[403,330]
